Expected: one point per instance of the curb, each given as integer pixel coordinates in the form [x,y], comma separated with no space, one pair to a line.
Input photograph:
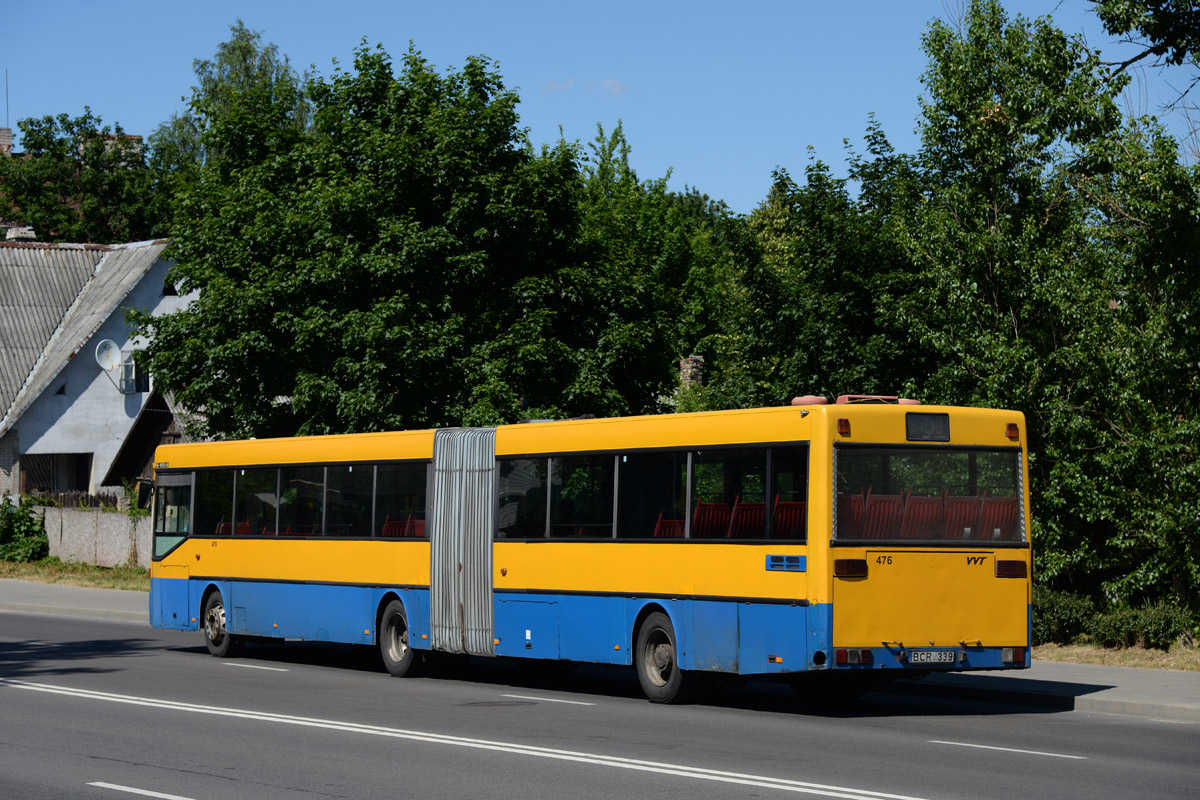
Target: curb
[1057,702]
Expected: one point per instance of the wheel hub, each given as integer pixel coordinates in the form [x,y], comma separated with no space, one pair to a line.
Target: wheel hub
[664,657]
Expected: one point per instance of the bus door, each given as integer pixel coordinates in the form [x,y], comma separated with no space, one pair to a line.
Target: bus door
[461,520]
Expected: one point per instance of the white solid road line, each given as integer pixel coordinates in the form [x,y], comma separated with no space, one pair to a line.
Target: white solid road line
[1009,750]
[253,666]
[547,700]
[679,770]
[142,792]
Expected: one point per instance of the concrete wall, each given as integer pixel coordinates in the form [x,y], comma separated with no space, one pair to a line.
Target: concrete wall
[103,538]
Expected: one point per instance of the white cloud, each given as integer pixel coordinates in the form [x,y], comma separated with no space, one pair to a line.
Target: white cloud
[554,87]
[613,86]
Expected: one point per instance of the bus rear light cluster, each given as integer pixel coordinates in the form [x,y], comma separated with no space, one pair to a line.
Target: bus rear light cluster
[851,567]
[1010,569]
[842,656]
[1012,655]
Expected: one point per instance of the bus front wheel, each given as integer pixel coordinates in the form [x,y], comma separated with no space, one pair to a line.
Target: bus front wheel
[219,641]
[398,656]
[657,661]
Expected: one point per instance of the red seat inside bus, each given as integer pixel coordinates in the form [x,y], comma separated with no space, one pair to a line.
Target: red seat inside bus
[748,520]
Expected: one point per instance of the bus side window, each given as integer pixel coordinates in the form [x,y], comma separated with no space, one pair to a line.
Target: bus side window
[348,500]
[257,501]
[400,500]
[300,500]
[214,503]
[789,500]
[651,489]
[521,509]
[729,494]
[581,502]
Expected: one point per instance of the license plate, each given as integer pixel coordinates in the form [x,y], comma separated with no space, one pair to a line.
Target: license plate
[931,656]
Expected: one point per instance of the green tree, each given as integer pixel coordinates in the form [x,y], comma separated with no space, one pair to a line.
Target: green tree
[1168,30]
[379,272]
[1052,271]
[79,182]
[241,66]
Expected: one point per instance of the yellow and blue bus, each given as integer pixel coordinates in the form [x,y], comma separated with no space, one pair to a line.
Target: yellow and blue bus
[860,537]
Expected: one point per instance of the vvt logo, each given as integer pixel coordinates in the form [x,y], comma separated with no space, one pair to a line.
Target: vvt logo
[975,560]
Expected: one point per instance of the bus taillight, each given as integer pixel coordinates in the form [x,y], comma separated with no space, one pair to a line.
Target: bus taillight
[1012,655]
[842,656]
[1010,569]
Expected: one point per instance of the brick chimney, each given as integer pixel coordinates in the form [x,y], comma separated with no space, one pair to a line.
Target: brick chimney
[691,371]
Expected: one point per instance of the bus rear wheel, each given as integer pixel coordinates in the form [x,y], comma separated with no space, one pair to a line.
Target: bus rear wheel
[398,656]
[217,638]
[656,658]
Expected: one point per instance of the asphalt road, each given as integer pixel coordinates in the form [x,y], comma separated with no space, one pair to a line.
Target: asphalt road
[113,710]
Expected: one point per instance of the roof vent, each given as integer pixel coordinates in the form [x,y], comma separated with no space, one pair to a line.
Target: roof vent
[847,399]
[810,400]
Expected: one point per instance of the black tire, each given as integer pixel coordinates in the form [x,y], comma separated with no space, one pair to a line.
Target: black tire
[219,641]
[656,661]
[399,659]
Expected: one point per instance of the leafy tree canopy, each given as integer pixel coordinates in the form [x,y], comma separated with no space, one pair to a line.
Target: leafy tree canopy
[78,181]
[380,271]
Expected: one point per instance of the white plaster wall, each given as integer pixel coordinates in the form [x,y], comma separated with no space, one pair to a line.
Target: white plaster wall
[92,416]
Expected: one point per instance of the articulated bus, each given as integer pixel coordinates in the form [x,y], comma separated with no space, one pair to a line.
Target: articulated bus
[863,537]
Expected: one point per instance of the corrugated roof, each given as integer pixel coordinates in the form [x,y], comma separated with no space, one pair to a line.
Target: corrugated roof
[38,283]
[114,275]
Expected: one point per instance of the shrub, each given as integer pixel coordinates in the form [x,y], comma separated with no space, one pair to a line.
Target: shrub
[1162,624]
[22,532]
[1060,617]
[1158,625]
[1117,628]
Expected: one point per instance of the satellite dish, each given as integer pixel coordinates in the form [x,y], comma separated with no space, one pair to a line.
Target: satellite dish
[108,355]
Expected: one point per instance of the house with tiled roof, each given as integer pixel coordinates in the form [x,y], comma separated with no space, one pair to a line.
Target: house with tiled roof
[76,413]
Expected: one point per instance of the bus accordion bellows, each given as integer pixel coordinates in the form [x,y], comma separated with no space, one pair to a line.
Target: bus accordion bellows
[871,538]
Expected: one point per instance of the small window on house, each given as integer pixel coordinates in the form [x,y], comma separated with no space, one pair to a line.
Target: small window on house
[134,379]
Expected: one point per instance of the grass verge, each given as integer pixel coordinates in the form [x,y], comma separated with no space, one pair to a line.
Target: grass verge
[51,570]
[1176,658]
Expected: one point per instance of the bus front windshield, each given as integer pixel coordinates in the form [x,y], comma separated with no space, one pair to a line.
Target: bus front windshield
[909,495]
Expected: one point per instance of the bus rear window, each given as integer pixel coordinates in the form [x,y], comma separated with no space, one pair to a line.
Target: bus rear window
[923,494]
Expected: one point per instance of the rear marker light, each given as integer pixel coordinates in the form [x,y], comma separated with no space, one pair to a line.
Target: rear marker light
[843,426]
[866,657]
[852,567]
[1019,655]
[840,657]
[1010,569]
[1012,431]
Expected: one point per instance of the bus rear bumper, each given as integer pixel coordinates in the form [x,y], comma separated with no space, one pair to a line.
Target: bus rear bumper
[925,659]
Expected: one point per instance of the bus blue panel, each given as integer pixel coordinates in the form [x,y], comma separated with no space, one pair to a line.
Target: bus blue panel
[598,632]
[527,627]
[316,612]
[169,604]
[771,638]
[715,636]
[820,632]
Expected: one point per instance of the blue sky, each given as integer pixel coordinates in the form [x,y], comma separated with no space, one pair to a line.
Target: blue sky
[720,93]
